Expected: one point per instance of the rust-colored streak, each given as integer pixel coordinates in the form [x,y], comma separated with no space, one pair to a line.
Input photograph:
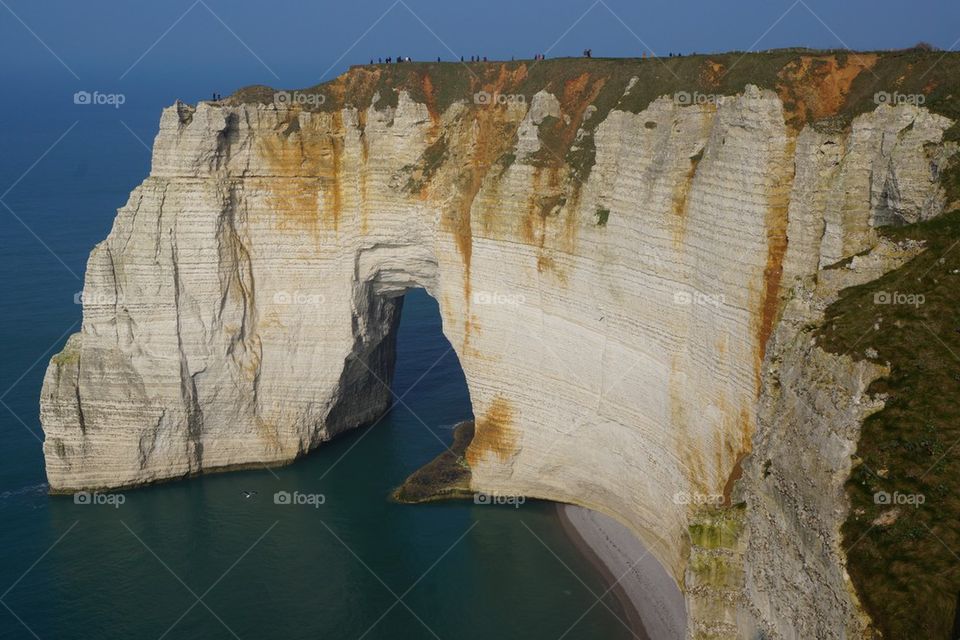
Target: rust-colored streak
[462,229]
[333,181]
[499,79]
[529,221]
[681,193]
[712,73]
[776,226]
[577,95]
[426,85]
[495,433]
[682,190]
[308,158]
[738,436]
[364,156]
[735,475]
[816,87]
[492,134]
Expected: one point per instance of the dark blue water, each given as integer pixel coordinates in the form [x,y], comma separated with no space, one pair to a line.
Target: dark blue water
[196,559]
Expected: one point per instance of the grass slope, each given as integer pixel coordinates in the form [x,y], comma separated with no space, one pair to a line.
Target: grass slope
[903,558]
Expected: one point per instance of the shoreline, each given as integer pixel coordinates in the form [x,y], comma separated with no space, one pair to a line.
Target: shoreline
[654,605]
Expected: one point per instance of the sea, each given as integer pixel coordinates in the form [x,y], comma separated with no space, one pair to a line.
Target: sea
[221,556]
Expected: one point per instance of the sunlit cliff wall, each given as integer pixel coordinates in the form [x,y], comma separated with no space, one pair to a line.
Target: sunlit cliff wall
[609,277]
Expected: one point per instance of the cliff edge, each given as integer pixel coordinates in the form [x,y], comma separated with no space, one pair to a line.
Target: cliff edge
[626,255]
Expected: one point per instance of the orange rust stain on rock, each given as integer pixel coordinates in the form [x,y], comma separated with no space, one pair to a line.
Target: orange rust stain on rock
[426,84]
[495,433]
[293,197]
[712,73]
[506,80]
[518,75]
[681,192]
[578,94]
[308,160]
[490,222]
[547,263]
[816,87]
[364,156]
[354,88]
[735,475]
[333,180]
[568,240]
[546,203]
[492,135]
[720,344]
[776,226]
[533,221]
[741,427]
[461,227]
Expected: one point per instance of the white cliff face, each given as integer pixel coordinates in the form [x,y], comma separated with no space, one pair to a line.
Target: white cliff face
[612,332]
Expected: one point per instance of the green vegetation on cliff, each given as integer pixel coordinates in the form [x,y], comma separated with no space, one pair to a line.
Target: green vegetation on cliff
[903,533]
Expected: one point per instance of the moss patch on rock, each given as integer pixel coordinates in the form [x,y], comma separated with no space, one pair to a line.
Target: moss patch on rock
[427,165]
[602,215]
[717,528]
[70,354]
[445,477]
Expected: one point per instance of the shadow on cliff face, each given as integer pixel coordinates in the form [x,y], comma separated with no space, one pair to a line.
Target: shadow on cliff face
[367,376]
[369,373]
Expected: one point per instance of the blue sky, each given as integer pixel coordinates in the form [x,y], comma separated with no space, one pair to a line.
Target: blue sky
[190,47]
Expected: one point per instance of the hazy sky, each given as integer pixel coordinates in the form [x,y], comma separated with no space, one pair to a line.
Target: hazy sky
[193,46]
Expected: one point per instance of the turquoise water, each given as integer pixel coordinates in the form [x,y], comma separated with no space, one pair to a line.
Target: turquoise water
[198,559]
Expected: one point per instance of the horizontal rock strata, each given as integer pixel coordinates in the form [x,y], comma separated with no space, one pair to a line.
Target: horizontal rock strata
[612,319]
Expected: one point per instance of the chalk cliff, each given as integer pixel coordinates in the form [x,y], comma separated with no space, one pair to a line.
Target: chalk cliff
[625,276]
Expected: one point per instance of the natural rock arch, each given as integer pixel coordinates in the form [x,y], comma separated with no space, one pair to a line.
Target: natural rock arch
[613,333]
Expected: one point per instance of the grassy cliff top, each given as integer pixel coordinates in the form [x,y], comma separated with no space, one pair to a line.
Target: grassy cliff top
[829,87]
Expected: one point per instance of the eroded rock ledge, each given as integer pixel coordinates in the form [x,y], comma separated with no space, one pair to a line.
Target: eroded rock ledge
[611,270]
